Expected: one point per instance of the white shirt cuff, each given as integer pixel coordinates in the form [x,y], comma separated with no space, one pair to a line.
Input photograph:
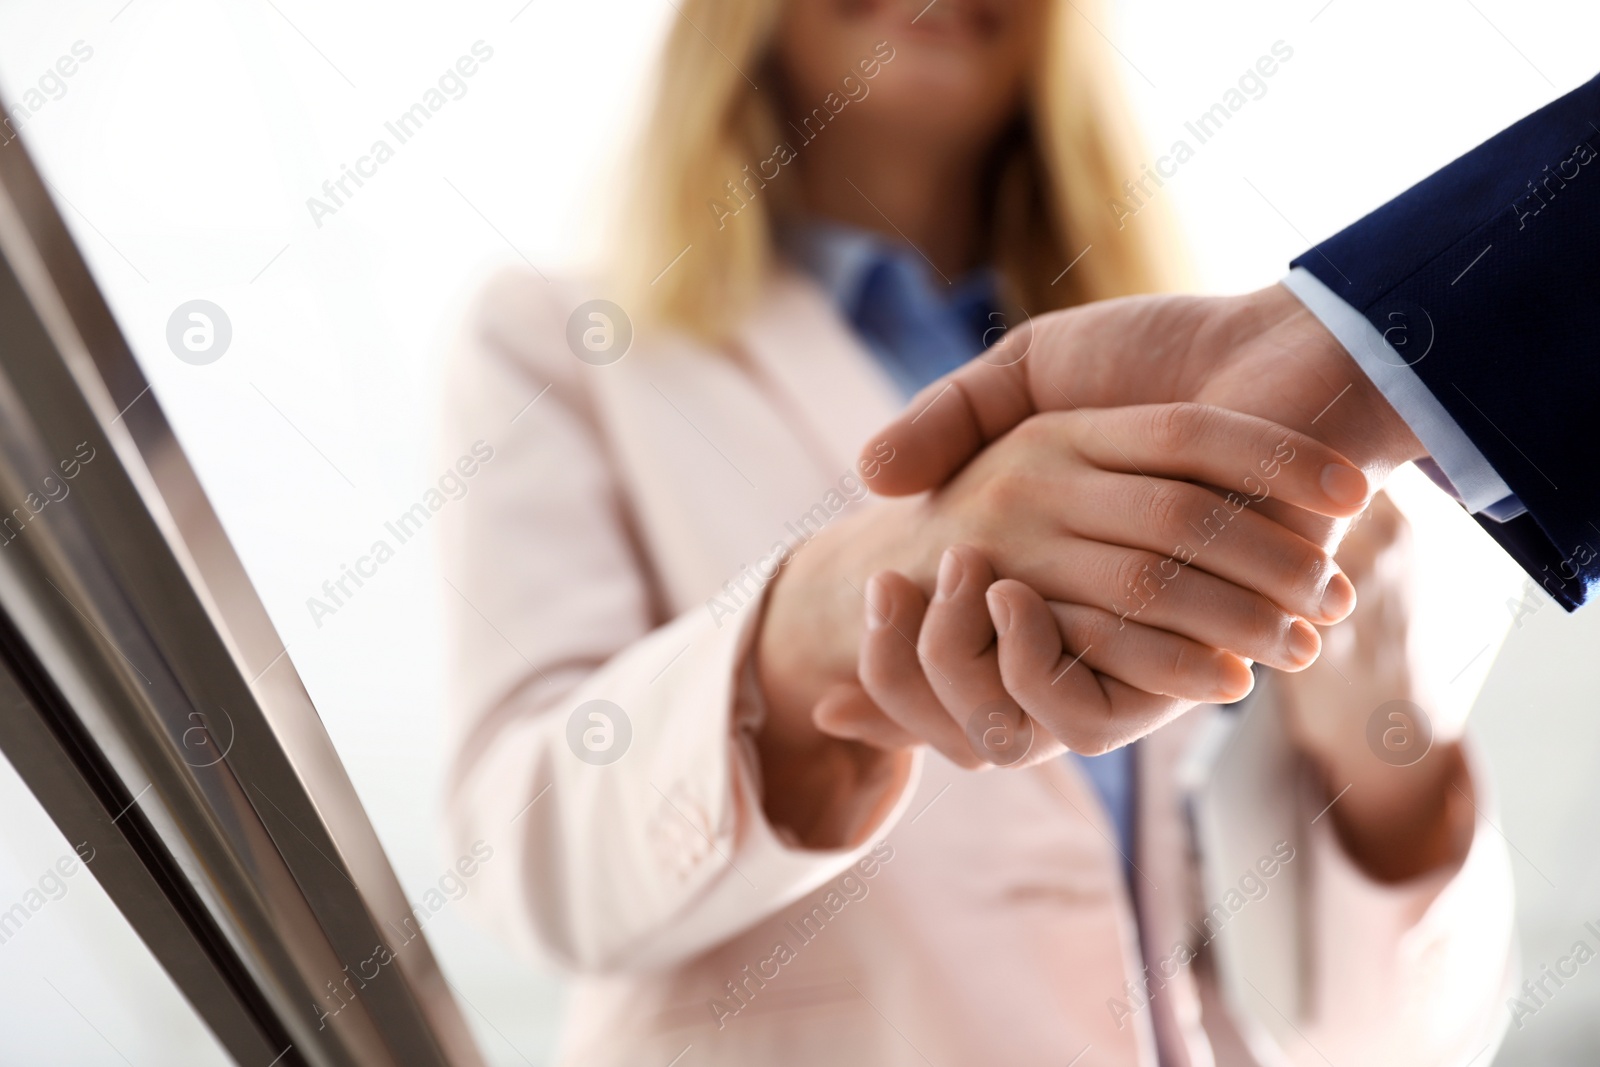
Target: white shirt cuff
[1472,480]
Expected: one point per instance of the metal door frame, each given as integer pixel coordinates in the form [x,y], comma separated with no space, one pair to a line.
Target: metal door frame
[149,704]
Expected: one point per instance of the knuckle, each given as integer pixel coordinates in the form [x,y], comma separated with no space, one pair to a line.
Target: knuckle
[1083,628]
[1266,622]
[1269,442]
[1077,628]
[1005,492]
[1168,506]
[1123,572]
[1177,427]
[1038,432]
[1309,568]
[1128,570]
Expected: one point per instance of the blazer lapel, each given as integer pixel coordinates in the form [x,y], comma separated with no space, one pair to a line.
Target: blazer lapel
[819,376]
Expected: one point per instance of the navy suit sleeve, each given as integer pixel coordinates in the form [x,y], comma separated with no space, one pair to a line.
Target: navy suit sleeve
[1496,259]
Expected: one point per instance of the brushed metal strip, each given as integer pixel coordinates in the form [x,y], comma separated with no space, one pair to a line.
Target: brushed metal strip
[131,599]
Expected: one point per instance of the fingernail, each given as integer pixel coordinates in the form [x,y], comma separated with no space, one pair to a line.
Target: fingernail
[877,603]
[1304,644]
[1344,485]
[999,612]
[1339,598]
[949,575]
[1239,679]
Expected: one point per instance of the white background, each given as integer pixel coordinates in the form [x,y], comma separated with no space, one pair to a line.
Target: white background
[184,150]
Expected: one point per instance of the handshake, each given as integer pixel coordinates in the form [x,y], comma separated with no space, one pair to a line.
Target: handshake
[1100,523]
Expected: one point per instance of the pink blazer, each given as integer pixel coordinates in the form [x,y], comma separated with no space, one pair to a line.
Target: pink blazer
[611,550]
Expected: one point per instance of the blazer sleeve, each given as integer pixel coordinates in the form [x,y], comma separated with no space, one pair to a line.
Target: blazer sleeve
[1495,256]
[1322,964]
[1415,973]
[600,751]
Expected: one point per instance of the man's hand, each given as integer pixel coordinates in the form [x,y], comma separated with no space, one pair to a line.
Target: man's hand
[1262,354]
[1166,588]
[1404,807]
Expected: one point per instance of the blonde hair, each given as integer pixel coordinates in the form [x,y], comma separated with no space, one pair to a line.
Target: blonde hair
[680,265]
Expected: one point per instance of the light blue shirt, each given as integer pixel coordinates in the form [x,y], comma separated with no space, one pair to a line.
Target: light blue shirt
[920,328]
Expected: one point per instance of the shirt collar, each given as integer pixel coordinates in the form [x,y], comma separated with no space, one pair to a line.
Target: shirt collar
[840,258]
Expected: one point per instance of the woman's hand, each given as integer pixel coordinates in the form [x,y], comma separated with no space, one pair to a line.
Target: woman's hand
[1087,509]
[994,678]
[1366,720]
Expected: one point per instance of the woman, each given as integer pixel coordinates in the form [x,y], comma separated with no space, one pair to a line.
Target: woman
[687,716]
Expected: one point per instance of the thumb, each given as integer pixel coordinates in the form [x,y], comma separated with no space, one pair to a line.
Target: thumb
[951,420]
[847,711]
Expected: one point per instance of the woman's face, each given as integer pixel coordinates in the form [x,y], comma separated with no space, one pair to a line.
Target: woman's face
[947,74]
